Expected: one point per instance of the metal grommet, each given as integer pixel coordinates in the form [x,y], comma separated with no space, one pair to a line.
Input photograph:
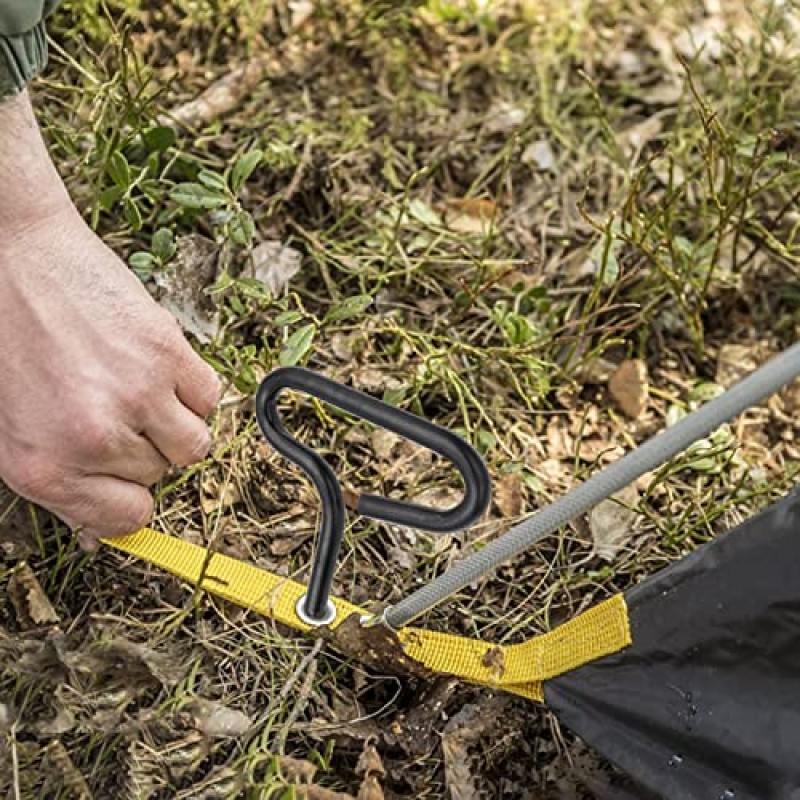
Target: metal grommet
[330,613]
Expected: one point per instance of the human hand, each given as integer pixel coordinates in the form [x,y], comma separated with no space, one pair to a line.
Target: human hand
[100,392]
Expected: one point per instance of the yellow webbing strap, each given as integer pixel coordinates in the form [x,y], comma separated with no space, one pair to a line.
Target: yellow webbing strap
[519,668]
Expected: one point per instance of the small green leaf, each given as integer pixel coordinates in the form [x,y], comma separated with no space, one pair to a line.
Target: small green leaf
[220,216]
[252,287]
[212,180]
[133,215]
[119,170]
[222,285]
[351,307]
[142,264]
[246,381]
[242,228]
[163,244]
[297,345]
[287,318]
[110,196]
[604,256]
[152,189]
[244,168]
[197,196]
[159,139]
[424,213]
[395,396]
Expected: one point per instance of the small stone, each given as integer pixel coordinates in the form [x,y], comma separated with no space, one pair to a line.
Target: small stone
[539,154]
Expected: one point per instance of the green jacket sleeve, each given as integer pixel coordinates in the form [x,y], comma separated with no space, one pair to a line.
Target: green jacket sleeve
[23,46]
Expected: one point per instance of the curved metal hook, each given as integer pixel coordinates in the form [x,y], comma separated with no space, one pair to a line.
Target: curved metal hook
[315,607]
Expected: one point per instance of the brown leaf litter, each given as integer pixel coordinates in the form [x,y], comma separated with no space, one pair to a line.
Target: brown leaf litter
[32,605]
[629,387]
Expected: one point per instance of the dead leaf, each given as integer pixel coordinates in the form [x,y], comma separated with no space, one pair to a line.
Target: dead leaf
[539,154]
[470,214]
[30,602]
[216,719]
[633,139]
[504,117]
[369,762]
[384,443]
[370,789]
[371,767]
[216,495]
[416,731]
[401,558]
[629,387]
[182,286]
[296,769]
[495,661]
[61,723]
[374,380]
[734,362]
[342,346]
[472,206]
[597,449]
[441,497]
[274,264]
[612,522]
[62,767]
[110,663]
[286,545]
[457,772]
[508,494]
[470,725]
[300,12]
[314,792]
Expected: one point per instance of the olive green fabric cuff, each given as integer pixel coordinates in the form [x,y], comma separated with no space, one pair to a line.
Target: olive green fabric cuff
[23,42]
[22,58]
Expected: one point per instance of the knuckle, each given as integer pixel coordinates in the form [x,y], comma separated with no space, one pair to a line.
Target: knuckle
[139,398]
[155,474]
[166,338]
[195,446]
[96,437]
[33,479]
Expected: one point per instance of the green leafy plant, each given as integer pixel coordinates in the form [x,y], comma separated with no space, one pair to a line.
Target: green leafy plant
[219,194]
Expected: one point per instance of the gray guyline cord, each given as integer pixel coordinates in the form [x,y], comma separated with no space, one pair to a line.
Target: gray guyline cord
[767,380]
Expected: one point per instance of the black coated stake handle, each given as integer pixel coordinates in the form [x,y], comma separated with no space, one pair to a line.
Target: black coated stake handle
[315,607]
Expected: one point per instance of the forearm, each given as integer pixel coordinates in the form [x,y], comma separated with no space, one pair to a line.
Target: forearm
[30,187]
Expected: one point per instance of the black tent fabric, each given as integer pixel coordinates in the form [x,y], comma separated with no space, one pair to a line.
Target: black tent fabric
[706,701]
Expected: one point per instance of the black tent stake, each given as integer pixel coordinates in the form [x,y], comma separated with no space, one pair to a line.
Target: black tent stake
[315,607]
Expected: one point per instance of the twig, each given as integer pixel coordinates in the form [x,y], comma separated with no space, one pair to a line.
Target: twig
[15,763]
[221,97]
[305,160]
[230,91]
[303,695]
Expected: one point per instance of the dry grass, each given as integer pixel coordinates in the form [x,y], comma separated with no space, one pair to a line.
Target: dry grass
[525,192]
